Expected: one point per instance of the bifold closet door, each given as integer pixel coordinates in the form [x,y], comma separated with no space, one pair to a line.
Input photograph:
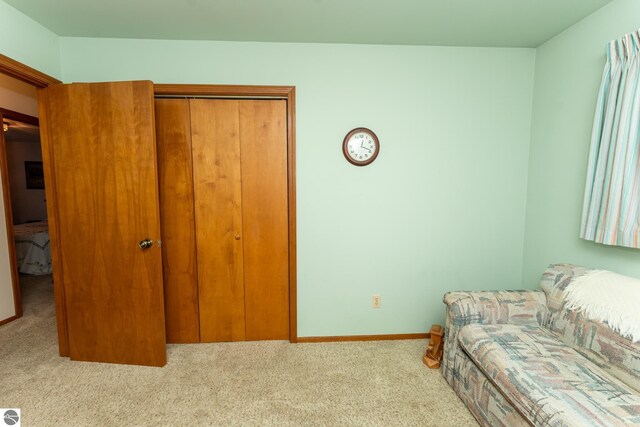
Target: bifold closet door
[240,185]
[175,178]
[224,196]
[217,184]
[99,153]
[265,221]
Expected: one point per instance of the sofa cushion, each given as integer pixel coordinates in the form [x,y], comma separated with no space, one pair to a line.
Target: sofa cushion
[603,346]
[548,382]
[487,404]
[464,308]
[618,355]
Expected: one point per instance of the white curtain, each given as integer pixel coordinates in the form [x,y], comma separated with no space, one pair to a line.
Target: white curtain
[610,213]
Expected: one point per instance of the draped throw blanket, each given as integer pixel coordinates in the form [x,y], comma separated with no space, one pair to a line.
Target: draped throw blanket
[607,297]
[610,212]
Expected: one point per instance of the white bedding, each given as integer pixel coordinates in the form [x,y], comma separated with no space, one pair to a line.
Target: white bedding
[32,248]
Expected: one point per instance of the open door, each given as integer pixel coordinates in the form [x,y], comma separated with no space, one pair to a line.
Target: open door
[102,194]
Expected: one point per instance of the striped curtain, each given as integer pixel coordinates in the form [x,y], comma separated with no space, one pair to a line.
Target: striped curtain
[610,213]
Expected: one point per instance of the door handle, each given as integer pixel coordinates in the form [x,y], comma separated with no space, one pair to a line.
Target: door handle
[145,244]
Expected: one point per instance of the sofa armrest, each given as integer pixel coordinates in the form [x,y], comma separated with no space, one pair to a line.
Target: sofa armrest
[490,307]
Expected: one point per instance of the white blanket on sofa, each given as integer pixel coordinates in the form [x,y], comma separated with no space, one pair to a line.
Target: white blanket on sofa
[607,297]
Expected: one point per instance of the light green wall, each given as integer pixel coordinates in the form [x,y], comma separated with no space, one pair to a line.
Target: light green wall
[567,78]
[23,39]
[442,208]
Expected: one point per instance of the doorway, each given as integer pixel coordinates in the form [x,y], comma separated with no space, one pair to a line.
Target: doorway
[29,79]
[26,212]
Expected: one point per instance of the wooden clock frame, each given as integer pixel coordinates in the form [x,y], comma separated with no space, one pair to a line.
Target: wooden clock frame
[345,149]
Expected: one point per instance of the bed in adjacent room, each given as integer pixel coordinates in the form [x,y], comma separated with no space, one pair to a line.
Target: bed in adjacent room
[32,247]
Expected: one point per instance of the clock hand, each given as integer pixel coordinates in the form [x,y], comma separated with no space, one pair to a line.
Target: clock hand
[363,147]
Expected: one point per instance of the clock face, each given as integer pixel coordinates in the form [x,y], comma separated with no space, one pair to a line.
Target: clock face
[361,146]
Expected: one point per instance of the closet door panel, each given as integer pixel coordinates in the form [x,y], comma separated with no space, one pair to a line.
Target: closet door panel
[101,147]
[177,218]
[217,189]
[263,136]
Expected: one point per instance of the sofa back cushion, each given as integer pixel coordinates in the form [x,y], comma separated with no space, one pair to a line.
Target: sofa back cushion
[554,281]
[594,340]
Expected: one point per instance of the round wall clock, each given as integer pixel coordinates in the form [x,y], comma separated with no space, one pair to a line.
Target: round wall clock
[361,146]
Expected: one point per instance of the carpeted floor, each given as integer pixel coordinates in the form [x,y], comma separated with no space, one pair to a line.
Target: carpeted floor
[256,383]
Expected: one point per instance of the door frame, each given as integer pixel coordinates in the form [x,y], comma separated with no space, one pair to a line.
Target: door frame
[288,93]
[8,210]
[24,73]
[38,79]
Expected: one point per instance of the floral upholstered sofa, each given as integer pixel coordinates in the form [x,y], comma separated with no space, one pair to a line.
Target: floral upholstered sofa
[519,358]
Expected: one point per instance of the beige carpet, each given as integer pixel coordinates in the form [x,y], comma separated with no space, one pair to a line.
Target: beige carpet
[258,383]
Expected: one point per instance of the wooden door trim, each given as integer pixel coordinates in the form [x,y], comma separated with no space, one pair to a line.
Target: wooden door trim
[8,214]
[289,94]
[223,90]
[10,319]
[20,117]
[25,73]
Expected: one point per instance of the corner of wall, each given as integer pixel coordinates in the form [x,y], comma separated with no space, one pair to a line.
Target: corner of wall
[529,163]
[26,41]
[567,75]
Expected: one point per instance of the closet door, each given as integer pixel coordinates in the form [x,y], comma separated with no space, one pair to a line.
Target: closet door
[215,130]
[265,221]
[240,201]
[173,130]
[100,161]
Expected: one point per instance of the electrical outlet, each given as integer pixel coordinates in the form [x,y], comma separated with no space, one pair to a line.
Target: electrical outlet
[376,301]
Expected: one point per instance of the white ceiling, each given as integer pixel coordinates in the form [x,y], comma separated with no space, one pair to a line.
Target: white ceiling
[507,23]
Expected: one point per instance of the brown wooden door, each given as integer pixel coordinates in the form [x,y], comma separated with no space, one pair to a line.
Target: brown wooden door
[240,181]
[239,205]
[265,220]
[173,130]
[215,130]
[102,158]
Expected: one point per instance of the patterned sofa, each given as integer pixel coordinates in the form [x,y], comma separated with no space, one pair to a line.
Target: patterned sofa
[519,358]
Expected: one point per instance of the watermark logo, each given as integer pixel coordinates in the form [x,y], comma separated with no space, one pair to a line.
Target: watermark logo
[11,417]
